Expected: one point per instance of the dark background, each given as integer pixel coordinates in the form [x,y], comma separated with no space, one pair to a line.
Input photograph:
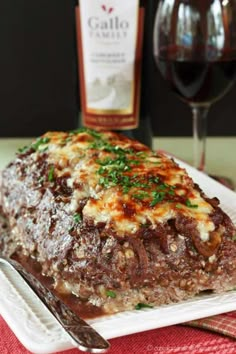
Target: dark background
[38,76]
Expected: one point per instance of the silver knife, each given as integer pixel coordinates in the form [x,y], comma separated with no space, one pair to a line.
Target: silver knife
[83,335]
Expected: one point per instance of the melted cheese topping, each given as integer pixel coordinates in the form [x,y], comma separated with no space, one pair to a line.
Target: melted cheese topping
[124,184]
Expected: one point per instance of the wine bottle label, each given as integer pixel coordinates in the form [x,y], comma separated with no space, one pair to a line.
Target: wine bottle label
[110,34]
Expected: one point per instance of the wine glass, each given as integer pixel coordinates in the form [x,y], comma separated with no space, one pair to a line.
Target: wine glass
[195,51]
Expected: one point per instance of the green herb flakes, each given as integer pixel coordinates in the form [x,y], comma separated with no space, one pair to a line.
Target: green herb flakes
[157,198]
[155,179]
[77,218]
[23,149]
[104,145]
[141,306]
[91,132]
[141,195]
[110,293]
[51,174]
[35,146]
[39,142]
[41,179]
[178,206]
[190,205]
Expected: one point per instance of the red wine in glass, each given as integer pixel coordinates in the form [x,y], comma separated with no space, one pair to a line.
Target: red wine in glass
[195,51]
[198,82]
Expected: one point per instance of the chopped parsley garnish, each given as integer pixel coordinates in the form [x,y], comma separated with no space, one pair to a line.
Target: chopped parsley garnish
[44,149]
[163,186]
[101,144]
[77,218]
[104,181]
[178,206]
[126,189]
[157,198]
[23,149]
[110,293]
[65,141]
[171,192]
[155,179]
[41,179]
[120,163]
[134,162]
[35,146]
[142,154]
[39,142]
[140,306]
[51,174]
[141,195]
[116,170]
[91,132]
[234,237]
[190,205]
[112,173]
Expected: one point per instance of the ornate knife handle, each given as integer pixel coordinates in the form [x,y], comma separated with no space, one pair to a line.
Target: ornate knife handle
[83,335]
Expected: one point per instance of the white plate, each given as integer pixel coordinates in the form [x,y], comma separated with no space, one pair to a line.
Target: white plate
[40,333]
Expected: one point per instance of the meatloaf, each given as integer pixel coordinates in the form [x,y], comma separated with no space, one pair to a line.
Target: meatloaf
[115,223]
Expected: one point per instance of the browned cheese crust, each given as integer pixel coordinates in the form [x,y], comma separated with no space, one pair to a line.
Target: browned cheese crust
[115,223]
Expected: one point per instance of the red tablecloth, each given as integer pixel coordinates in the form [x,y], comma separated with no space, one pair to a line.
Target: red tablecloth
[174,339]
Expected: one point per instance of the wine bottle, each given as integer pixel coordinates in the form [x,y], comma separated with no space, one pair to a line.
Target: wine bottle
[112,80]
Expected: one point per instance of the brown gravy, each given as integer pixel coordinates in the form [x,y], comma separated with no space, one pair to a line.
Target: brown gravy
[82,309]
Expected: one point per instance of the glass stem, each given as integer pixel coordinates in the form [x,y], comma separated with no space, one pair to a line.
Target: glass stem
[199,135]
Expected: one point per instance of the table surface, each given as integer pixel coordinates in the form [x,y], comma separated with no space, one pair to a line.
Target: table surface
[220,158]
